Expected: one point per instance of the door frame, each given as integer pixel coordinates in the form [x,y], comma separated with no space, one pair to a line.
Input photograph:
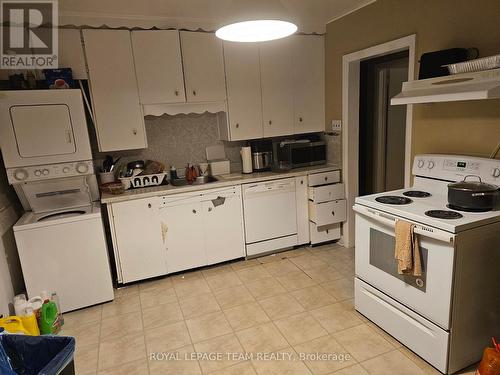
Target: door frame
[350,119]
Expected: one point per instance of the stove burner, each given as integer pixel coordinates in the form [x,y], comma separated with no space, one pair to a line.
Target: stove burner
[393,199]
[444,214]
[416,194]
[450,206]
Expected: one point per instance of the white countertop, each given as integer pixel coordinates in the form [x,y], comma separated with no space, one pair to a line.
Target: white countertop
[225,180]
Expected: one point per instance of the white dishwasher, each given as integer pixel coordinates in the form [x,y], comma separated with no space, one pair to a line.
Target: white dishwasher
[270,215]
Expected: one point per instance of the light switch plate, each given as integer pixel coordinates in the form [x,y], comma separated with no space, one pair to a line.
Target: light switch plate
[336,126]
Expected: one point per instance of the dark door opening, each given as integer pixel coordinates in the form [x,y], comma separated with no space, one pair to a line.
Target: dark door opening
[382,127]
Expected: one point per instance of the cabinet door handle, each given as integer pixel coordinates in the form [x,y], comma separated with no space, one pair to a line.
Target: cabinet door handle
[194,211]
[302,182]
[194,92]
[237,125]
[270,122]
[333,213]
[209,209]
[300,119]
[149,205]
[176,92]
[134,131]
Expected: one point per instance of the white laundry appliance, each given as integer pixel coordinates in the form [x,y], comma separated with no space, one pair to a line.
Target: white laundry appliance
[60,239]
[448,315]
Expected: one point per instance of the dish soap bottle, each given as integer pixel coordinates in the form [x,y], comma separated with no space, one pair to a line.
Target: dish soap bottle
[49,318]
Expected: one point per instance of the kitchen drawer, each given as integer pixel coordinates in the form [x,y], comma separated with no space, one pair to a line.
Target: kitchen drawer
[324,233]
[325,193]
[328,212]
[324,178]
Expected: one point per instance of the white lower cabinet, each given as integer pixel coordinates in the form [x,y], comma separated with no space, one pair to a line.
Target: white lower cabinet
[183,234]
[138,239]
[301,195]
[160,235]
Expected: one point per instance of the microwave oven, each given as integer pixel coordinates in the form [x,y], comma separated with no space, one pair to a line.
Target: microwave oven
[298,153]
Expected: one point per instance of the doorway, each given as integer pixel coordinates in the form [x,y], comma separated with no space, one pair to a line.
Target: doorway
[351,74]
[382,127]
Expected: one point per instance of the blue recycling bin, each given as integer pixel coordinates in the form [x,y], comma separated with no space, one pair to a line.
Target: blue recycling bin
[36,355]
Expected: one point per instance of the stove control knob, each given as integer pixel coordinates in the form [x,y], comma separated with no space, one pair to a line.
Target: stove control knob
[430,164]
[420,163]
[82,168]
[65,169]
[20,174]
[45,172]
[38,172]
[495,172]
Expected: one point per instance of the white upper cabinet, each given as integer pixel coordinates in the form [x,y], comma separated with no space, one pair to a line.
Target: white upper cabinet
[203,63]
[243,90]
[309,83]
[115,98]
[158,65]
[71,52]
[277,89]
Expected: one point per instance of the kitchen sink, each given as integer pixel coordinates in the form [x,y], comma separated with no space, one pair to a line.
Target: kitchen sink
[199,181]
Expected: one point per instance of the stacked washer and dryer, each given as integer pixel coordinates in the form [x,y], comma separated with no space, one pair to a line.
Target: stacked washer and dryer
[47,155]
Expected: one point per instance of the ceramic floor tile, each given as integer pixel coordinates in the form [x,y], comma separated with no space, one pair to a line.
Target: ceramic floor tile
[223,281]
[295,252]
[289,364]
[341,289]
[155,297]
[362,342]
[161,315]
[226,346]
[233,297]
[126,291]
[262,338]
[307,261]
[323,274]
[187,276]
[158,284]
[176,362]
[199,305]
[265,287]
[393,362]
[121,325]
[133,368]
[249,274]
[336,317]
[86,360]
[300,328]
[244,368]
[296,280]
[281,306]
[216,270]
[245,316]
[313,297]
[353,370]
[280,267]
[423,365]
[207,326]
[191,287]
[123,350]
[169,337]
[87,315]
[333,356]
[84,334]
[394,342]
[121,306]
[244,264]
[271,258]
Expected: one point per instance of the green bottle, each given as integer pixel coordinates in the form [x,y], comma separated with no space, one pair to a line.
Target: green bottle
[48,318]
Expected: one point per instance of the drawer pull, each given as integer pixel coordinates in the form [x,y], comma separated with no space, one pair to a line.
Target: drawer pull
[149,205]
[194,211]
[333,213]
[326,178]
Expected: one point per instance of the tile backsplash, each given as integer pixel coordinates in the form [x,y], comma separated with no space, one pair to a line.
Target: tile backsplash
[178,140]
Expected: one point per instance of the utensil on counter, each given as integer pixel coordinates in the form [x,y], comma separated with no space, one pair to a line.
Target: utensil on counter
[472,195]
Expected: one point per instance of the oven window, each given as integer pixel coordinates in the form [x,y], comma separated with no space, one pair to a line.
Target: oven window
[382,257]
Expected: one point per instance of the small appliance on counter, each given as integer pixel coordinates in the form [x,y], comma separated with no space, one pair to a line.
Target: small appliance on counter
[296,153]
[262,155]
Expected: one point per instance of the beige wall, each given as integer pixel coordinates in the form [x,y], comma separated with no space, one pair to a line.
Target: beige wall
[460,127]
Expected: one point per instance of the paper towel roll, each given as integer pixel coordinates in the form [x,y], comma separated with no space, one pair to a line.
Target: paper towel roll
[246,159]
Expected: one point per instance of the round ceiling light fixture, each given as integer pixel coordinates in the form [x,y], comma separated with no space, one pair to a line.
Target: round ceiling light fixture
[256,30]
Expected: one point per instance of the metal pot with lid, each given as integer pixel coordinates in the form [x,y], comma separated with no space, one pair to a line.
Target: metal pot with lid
[468,195]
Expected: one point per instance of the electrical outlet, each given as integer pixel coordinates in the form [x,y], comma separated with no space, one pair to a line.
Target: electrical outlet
[336,126]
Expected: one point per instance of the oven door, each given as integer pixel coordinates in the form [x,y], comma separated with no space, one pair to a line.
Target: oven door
[429,294]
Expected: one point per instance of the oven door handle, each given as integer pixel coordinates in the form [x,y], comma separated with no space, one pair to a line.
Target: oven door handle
[390,221]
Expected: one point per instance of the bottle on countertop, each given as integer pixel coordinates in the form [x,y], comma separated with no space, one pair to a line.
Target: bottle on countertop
[173,173]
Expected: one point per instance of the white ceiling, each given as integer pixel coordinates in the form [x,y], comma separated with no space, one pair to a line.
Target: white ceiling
[310,15]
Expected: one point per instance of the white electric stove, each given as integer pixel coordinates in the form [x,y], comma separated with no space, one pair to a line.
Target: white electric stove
[448,314]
